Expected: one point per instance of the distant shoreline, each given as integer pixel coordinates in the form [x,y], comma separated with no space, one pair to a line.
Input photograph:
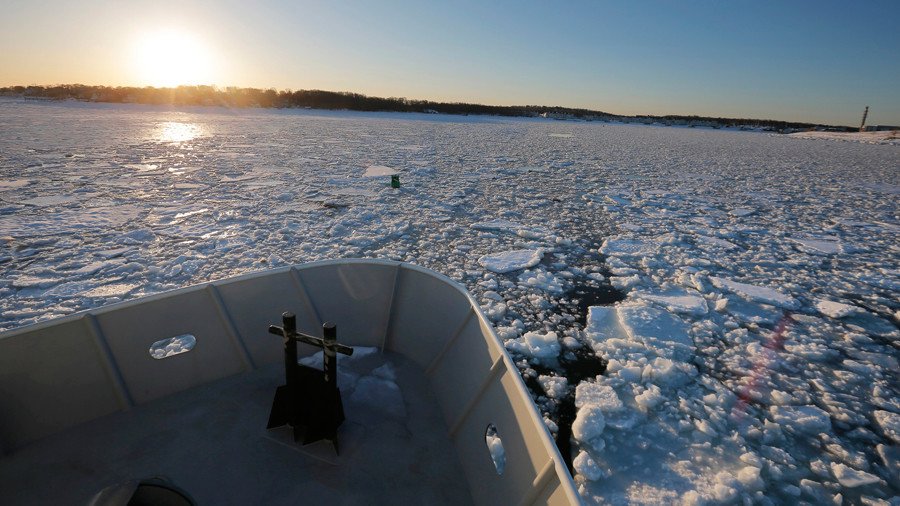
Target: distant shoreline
[330,100]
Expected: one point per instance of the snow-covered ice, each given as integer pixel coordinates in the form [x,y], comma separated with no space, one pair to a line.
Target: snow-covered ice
[808,419]
[819,246]
[741,288]
[835,309]
[884,137]
[684,302]
[513,260]
[755,293]
[536,344]
[380,171]
[889,423]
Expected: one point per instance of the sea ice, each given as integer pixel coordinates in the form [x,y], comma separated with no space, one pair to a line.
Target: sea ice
[554,386]
[756,293]
[586,467]
[890,457]
[50,200]
[889,423]
[380,171]
[835,309]
[656,329]
[628,247]
[599,395]
[14,184]
[750,236]
[851,478]
[589,424]
[542,280]
[684,303]
[499,224]
[714,242]
[111,290]
[806,419]
[741,212]
[513,260]
[542,345]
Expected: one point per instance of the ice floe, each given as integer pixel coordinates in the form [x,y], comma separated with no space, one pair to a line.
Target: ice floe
[513,260]
[380,171]
[834,309]
[819,246]
[756,293]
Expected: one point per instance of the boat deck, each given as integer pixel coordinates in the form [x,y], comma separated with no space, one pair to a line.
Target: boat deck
[212,442]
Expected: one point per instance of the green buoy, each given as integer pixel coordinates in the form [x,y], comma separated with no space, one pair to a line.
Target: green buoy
[395,181]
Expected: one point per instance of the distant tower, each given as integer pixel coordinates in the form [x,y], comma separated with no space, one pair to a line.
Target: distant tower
[862,125]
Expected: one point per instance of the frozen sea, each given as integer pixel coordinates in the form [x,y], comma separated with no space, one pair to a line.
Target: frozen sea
[706,316]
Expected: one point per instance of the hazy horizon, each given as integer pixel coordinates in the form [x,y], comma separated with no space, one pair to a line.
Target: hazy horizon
[817,62]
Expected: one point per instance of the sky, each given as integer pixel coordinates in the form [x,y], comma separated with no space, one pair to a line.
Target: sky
[816,61]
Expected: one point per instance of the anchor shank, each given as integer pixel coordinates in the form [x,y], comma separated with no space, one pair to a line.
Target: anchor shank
[329,331]
[291,372]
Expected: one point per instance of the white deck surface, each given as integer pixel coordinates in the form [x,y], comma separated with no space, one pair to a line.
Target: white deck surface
[212,442]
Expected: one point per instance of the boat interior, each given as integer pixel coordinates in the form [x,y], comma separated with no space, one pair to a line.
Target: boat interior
[88,403]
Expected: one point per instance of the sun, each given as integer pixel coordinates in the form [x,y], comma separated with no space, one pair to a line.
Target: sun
[171,58]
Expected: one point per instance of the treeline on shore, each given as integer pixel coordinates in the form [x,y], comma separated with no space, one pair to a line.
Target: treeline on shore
[318,99]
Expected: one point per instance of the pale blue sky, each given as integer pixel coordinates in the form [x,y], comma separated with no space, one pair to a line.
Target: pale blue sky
[816,61]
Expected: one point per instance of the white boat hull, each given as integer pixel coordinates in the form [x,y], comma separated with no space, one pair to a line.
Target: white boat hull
[60,374]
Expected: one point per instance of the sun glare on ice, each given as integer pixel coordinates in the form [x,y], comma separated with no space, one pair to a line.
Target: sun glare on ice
[172,58]
[177,132]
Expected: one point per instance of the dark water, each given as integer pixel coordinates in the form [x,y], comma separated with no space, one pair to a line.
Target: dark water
[575,365]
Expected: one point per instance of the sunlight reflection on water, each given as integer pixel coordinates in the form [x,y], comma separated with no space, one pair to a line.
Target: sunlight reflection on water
[173,131]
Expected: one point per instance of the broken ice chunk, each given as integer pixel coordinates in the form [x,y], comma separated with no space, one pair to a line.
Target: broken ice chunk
[807,419]
[595,394]
[756,293]
[889,423]
[818,246]
[835,309]
[542,345]
[649,398]
[741,212]
[589,424]
[508,261]
[554,386]
[678,302]
[541,280]
[851,478]
[379,170]
[585,466]
[714,242]
[628,247]
[657,330]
